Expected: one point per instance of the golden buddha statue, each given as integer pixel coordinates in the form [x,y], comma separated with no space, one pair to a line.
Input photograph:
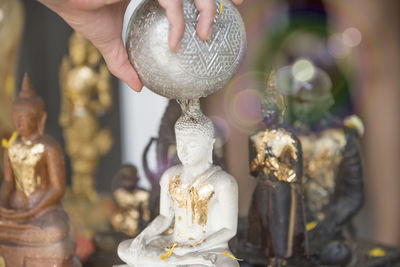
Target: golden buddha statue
[85,86]
[34,227]
[11,25]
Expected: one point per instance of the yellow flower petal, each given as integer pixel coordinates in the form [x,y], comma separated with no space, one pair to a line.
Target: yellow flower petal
[377,253]
[311,225]
[231,256]
[169,253]
[6,143]
[221,6]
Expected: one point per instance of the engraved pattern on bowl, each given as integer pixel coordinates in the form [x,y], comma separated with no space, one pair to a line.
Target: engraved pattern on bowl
[199,68]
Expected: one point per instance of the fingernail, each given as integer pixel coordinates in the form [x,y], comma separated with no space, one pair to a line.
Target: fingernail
[209,34]
[177,46]
[174,46]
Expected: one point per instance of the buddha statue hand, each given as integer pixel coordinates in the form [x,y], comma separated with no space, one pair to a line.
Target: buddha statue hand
[6,213]
[138,247]
[9,214]
[183,250]
[326,228]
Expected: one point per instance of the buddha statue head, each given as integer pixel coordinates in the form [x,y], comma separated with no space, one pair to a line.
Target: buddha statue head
[29,113]
[273,103]
[314,99]
[194,135]
[82,51]
[126,178]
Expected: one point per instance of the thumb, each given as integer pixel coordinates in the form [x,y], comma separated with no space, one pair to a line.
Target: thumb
[116,58]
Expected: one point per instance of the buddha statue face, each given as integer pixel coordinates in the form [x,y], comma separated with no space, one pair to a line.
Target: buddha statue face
[27,121]
[126,178]
[194,135]
[194,148]
[272,103]
[307,106]
[272,114]
[29,115]
[312,103]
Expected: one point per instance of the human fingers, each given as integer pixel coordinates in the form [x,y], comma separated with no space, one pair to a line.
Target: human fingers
[116,58]
[174,12]
[207,11]
[237,2]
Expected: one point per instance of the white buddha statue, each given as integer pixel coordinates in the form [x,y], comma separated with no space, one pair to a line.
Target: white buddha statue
[200,197]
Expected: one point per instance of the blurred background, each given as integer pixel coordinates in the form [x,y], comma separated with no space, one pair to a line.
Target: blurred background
[357,43]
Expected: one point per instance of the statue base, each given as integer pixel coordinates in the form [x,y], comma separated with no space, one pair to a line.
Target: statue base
[86,219]
[60,254]
[389,257]
[106,244]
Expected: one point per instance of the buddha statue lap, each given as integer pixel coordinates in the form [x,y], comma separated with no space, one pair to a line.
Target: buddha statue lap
[200,197]
[34,228]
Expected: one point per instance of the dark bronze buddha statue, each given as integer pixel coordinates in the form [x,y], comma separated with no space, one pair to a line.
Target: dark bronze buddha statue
[276,222]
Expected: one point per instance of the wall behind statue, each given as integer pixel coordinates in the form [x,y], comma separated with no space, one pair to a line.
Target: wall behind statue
[141,115]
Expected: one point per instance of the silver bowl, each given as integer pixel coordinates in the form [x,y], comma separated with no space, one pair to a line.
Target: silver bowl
[198,68]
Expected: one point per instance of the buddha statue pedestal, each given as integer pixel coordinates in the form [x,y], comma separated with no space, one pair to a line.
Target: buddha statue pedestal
[58,254]
[34,227]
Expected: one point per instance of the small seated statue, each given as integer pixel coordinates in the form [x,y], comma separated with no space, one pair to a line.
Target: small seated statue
[34,229]
[276,222]
[200,197]
[132,202]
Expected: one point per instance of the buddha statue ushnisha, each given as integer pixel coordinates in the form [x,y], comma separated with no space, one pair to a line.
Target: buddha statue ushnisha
[34,228]
[200,197]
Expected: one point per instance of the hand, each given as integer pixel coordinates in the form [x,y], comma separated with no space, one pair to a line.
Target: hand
[180,251]
[100,21]
[16,215]
[326,228]
[174,12]
[199,258]
[6,211]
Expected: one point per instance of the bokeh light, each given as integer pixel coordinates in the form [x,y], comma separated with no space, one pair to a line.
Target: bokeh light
[303,70]
[242,100]
[246,107]
[336,47]
[351,37]
[286,83]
